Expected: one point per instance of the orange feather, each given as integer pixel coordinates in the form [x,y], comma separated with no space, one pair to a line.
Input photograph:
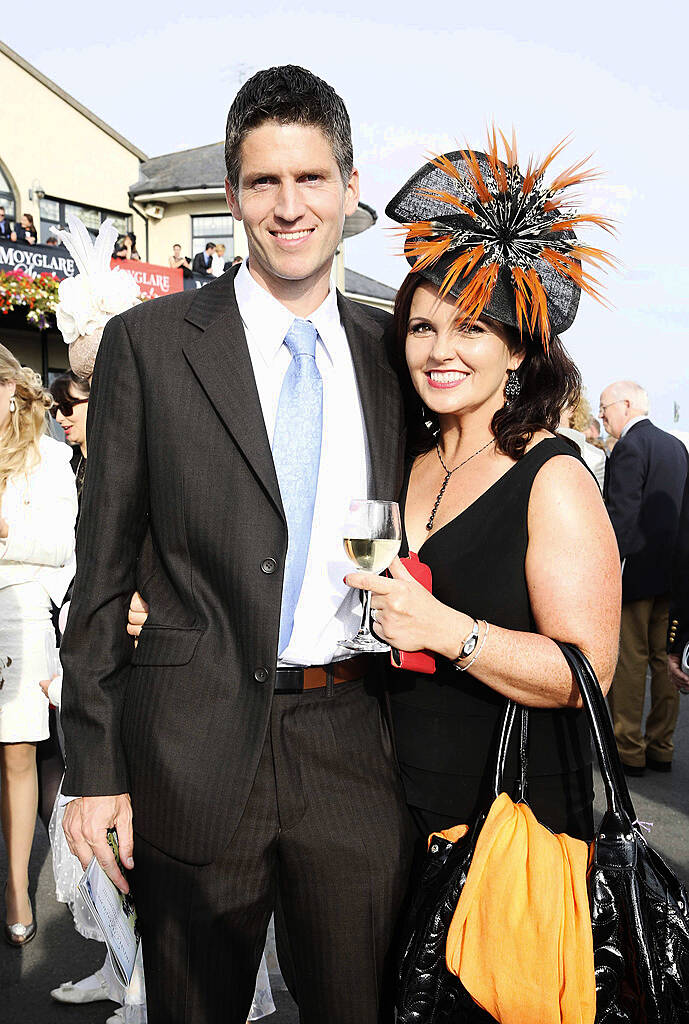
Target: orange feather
[574,175]
[568,223]
[463,266]
[536,170]
[475,176]
[511,157]
[443,164]
[477,294]
[495,162]
[428,251]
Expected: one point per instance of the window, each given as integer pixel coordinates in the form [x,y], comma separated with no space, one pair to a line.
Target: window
[216,229]
[7,198]
[53,212]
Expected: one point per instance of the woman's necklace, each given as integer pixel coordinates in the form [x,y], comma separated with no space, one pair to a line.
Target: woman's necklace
[448,474]
[80,474]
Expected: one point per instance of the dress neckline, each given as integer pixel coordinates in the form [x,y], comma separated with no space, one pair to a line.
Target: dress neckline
[464,511]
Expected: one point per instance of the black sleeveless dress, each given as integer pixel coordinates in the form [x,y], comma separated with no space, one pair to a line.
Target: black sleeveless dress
[446,725]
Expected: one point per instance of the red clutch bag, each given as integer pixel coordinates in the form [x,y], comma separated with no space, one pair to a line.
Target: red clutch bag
[415,661]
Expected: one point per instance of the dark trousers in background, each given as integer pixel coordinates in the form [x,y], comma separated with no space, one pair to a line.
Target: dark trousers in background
[326,827]
[643,638]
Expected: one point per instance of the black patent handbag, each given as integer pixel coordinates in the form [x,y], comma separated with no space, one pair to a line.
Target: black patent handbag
[639,908]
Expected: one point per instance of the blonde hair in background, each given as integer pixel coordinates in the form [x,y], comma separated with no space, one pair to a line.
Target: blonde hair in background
[19,443]
[581,416]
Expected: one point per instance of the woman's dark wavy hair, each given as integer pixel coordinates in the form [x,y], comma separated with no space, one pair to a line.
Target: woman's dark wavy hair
[549,382]
[59,389]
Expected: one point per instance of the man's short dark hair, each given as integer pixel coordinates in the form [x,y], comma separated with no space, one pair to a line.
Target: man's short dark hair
[210,245]
[288,95]
[176,246]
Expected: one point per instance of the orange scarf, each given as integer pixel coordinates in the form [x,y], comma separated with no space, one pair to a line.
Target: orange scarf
[520,940]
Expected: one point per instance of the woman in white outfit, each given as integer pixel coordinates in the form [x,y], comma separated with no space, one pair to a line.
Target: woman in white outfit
[217,267]
[38,506]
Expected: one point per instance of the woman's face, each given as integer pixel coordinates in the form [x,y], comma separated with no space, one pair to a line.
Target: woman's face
[7,391]
[455,369]
[74,425]
[25,222]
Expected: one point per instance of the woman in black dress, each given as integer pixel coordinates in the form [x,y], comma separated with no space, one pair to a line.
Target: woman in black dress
[506,515]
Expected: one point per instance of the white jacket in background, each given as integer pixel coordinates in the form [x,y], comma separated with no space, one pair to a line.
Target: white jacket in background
[41,509]
[592,456]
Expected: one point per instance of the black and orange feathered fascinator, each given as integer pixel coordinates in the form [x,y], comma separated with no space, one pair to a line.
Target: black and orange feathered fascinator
[500,241]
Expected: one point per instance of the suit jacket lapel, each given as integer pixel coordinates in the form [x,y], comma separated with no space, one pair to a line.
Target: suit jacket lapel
[380,397]
[219,357]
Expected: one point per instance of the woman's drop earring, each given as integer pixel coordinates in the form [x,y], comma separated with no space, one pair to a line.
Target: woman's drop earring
[13,404]
[513,387]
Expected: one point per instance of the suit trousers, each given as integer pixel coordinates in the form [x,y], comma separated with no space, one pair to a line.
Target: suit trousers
[643,638]
[327,832]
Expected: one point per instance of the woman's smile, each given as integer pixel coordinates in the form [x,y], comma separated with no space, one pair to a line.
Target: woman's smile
[442,379]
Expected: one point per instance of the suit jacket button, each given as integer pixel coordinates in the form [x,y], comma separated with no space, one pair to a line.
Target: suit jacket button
[261,675]
[268,566]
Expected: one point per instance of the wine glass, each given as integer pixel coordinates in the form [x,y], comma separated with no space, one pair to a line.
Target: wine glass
[372,535]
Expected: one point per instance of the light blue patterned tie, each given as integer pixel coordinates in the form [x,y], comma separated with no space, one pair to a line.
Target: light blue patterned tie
[297,456]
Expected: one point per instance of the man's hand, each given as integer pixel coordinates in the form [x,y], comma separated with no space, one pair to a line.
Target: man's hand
[679,678]
[138,613]
[85,825]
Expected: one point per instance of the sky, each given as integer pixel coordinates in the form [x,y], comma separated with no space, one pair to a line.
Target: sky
[427,78]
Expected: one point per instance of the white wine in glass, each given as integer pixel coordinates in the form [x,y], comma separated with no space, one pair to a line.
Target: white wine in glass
[372,536]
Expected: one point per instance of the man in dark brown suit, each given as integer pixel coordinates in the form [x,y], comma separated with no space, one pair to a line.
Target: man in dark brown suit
[249,750]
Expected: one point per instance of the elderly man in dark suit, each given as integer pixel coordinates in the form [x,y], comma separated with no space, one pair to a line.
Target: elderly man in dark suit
[645,477]
[234,424]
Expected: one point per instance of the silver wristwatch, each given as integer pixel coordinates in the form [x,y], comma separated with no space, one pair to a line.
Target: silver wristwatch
[469,645]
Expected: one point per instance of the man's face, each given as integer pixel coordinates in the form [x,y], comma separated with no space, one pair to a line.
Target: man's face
[176,249]
[614,412]
[292,200]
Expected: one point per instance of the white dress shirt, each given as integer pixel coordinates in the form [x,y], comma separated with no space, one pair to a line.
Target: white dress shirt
[327,610]
[628,426]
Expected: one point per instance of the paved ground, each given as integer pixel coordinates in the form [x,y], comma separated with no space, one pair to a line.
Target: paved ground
[59,954]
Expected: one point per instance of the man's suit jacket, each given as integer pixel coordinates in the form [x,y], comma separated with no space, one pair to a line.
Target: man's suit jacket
[178,448]
[199,264]
[644,481]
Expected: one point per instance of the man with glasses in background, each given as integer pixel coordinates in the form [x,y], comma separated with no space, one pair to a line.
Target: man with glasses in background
[644,481]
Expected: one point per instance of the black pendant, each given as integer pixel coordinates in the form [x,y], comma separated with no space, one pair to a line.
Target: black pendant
[429,524]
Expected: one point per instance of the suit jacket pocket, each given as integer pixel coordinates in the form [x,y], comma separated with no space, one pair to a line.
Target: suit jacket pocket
[166,645]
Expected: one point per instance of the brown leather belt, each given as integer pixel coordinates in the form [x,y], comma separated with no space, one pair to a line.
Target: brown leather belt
[296,680]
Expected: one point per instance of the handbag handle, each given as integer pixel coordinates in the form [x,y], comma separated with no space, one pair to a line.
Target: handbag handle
[511,709]
[617,794]
[619,801]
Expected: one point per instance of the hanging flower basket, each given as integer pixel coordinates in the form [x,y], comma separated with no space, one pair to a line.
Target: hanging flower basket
[38,294]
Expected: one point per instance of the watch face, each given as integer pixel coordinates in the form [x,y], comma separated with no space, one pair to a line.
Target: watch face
[469,646]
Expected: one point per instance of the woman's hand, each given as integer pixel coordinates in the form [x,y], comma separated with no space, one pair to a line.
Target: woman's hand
[137,615]
[407,616]
[4,529]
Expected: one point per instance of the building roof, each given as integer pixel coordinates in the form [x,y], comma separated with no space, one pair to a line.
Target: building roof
[359,284]
[24,64]
[202,167]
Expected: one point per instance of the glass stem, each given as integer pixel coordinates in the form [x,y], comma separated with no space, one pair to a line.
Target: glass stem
[364,629]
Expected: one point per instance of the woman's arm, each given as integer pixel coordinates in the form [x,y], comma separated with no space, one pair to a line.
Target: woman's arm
[574,580]
[43,533]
